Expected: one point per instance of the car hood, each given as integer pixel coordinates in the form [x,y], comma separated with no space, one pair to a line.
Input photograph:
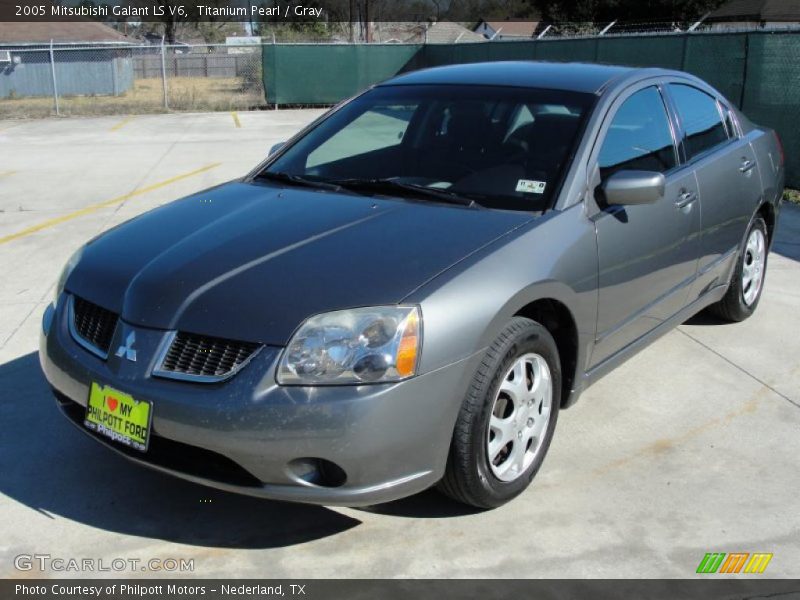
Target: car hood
[251,262]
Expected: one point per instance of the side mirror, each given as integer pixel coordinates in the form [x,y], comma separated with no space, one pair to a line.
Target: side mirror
[276,147]
[634,187]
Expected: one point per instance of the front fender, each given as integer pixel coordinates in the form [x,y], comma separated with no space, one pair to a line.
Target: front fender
[464,308]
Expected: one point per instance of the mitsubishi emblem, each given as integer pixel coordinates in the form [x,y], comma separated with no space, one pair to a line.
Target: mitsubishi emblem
[126,349]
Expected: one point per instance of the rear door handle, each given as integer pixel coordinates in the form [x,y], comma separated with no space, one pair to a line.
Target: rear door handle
[747,165]
[685,199]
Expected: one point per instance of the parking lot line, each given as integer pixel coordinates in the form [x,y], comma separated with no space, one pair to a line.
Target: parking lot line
[236,119]
[6,174]
[122,124]
[107,203]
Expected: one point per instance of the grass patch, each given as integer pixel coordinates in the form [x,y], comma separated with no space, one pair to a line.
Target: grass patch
[146,96]
[791,196]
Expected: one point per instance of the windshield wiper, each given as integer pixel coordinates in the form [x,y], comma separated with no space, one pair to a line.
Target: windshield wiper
[393,186]
[297,180]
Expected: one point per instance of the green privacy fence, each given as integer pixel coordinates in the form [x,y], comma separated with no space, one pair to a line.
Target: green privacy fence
[758,71]
[326,73]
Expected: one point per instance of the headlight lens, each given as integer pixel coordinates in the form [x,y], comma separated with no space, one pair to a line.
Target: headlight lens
[362,345]
[65,273]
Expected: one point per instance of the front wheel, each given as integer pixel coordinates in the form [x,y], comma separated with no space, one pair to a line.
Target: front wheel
[507,420]
[747,282]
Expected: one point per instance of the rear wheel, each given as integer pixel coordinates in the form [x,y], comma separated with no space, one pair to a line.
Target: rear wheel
[747,283]
[508,418]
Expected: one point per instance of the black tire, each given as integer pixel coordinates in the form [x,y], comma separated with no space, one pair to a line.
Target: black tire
[733,307]
[468,477]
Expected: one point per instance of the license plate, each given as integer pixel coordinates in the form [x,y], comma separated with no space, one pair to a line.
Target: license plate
[118,416]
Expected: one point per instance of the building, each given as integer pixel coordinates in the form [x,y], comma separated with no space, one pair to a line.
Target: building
[396,32]
[751,14]
[68,32]
[430,32]
[447,32]
[515,30]
[26,70]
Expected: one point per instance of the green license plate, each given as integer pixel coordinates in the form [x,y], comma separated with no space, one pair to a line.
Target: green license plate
[118,416]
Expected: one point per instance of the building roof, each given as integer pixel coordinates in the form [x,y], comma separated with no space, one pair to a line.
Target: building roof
[524,29]
[397,31]
[757,10]
[60,32]
[577,77]
[447,32]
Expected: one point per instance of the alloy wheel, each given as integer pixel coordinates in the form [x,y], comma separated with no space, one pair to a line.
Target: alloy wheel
[519,417]
[753,266]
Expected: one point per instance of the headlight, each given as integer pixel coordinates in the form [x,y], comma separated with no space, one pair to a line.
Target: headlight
[362,345]
[65,273]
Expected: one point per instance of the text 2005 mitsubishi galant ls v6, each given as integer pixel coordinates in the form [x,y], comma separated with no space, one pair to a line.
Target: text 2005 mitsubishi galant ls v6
[408,291]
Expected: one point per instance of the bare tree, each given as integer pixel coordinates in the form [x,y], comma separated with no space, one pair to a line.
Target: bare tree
[169,18]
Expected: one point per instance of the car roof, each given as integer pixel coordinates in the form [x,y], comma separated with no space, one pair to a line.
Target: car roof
[574,76]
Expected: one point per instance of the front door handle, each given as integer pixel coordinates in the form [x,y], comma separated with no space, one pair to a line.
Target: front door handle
[685,199]
[747,165]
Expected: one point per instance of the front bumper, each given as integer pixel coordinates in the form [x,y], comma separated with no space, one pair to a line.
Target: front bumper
[242,435]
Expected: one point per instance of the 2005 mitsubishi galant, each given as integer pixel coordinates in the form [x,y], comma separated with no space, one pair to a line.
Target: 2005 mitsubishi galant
[407,292]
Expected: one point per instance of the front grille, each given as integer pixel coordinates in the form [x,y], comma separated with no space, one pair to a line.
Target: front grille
[93,325]
[204,358]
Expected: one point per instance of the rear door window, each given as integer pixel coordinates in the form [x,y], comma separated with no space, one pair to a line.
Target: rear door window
[702,123]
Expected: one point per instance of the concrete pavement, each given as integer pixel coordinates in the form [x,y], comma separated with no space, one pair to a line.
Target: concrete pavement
[691,447]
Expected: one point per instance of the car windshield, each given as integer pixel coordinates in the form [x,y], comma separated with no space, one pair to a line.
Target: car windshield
[498,147]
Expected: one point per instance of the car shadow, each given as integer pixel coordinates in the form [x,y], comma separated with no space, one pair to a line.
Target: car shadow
[48,465]
[429,504]
[706,317]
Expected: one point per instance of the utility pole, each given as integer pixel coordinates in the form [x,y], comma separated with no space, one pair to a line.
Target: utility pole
[367,29]
[352,28]
[53,74]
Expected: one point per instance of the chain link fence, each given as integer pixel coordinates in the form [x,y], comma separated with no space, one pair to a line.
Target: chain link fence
[81,79]
[38,80]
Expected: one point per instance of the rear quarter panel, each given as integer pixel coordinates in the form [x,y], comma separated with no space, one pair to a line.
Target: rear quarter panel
[770,167]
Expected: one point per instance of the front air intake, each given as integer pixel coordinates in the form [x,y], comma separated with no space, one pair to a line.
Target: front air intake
[203,358]
[92,326]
